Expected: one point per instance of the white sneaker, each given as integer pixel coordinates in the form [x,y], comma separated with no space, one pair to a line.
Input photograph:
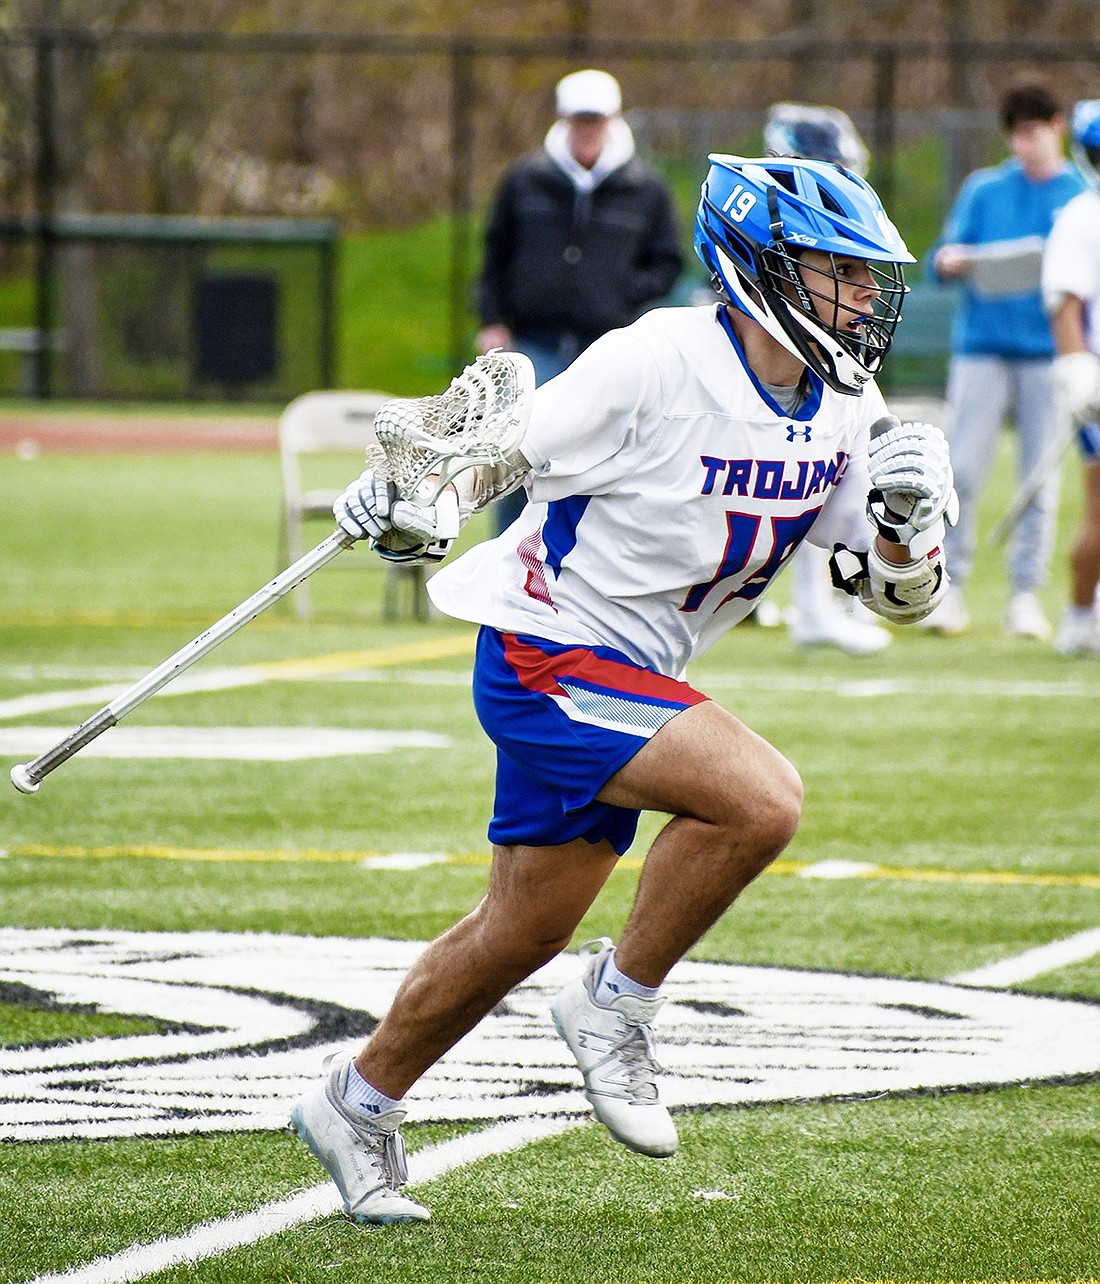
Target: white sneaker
[950,617]
[1024,618]
[613,1046]
[837,628]
[1078,632]
[766,614]
[363,1154]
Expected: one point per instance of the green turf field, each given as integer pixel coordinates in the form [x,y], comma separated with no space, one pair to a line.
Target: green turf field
[952,784]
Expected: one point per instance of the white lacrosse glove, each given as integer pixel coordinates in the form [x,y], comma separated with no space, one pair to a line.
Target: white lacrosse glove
[363,510]
[1076,377]
[912,486]
[400,530]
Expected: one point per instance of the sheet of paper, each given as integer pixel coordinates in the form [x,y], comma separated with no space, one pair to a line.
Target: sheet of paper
[998,268]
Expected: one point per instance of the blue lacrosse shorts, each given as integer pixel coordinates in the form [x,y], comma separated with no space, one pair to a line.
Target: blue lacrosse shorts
[564,719]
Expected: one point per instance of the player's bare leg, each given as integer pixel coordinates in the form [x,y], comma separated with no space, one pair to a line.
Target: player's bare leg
[1084,558]
[735,801]
[535,899]
[1079,628]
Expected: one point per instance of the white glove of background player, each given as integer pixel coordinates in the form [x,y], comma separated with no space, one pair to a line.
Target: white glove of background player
[1076,377]
[912,486]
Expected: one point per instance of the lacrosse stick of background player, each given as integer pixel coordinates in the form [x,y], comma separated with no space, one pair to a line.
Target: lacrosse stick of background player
[1047,466]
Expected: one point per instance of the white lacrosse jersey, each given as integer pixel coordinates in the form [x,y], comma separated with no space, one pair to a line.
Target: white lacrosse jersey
[1071,259]
[666,491]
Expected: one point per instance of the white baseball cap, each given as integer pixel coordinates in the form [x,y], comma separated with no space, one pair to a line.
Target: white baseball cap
[589,93]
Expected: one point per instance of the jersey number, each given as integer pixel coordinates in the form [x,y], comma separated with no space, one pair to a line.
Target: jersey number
[787,533]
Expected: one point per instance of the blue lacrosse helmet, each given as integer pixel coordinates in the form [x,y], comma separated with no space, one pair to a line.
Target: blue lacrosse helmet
[1084,128]
[756,219]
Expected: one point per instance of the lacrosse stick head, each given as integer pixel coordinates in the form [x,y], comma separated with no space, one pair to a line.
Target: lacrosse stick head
[479,420]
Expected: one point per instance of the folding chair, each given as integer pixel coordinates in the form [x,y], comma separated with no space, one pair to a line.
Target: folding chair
[331,421]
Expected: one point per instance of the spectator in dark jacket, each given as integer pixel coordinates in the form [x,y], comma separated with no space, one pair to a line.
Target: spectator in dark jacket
[582,238]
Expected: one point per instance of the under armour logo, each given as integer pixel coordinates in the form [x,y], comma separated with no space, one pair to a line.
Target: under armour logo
[793,432]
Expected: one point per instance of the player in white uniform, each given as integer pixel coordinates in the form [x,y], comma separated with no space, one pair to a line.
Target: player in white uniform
[672,471]
[1071,292]
[667,488]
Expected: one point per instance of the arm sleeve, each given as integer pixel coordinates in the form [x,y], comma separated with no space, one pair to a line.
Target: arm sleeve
[960,227]
[844,520]
[586,420]
[1069,266]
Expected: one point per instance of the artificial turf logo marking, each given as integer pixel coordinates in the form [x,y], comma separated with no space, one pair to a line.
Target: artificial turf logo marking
[246,1019]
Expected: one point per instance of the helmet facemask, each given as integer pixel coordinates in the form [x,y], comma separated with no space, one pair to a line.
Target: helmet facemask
[844,346]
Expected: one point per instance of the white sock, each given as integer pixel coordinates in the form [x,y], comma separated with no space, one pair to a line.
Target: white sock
[612,983]
[359,1093]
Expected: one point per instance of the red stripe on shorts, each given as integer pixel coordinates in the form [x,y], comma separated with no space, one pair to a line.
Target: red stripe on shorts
[539,672]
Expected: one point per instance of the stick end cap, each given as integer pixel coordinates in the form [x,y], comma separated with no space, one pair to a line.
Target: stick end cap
[22,779]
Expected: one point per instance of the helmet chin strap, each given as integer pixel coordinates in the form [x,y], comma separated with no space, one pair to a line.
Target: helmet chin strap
[848,370]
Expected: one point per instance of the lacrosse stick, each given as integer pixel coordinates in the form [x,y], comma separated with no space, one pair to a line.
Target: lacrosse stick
[426,442]
[479,420]
[1042,472]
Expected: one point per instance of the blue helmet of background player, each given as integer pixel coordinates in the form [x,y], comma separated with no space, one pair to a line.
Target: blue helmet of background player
[1084,130]
[817,133]
[756,219]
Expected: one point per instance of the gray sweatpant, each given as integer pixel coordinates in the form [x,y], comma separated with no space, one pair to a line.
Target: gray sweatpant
[983,392]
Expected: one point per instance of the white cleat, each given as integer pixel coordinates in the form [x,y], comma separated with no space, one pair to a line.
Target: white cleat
[1078,632]
[857,637]
[1024,618]
[613,1047]
[364,1154]
[951,616]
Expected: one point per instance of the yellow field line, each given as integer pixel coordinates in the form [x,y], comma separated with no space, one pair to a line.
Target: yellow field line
[375,658]
[111,618]
[1007,878]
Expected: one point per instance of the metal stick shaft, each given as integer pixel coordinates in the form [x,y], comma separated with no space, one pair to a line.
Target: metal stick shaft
[27,776]
[1038,478]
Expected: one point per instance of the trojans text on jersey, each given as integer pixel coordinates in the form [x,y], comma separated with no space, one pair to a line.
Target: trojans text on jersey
[771,478]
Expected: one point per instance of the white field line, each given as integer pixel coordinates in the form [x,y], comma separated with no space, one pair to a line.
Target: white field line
[351,669]
[209,1239]
[186,684]
[1033,963]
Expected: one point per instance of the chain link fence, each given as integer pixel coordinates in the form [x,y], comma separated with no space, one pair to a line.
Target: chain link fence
[370,131]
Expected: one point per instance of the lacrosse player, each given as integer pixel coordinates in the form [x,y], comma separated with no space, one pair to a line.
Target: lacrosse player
[1002,346]
[671,471]
[1071,289]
